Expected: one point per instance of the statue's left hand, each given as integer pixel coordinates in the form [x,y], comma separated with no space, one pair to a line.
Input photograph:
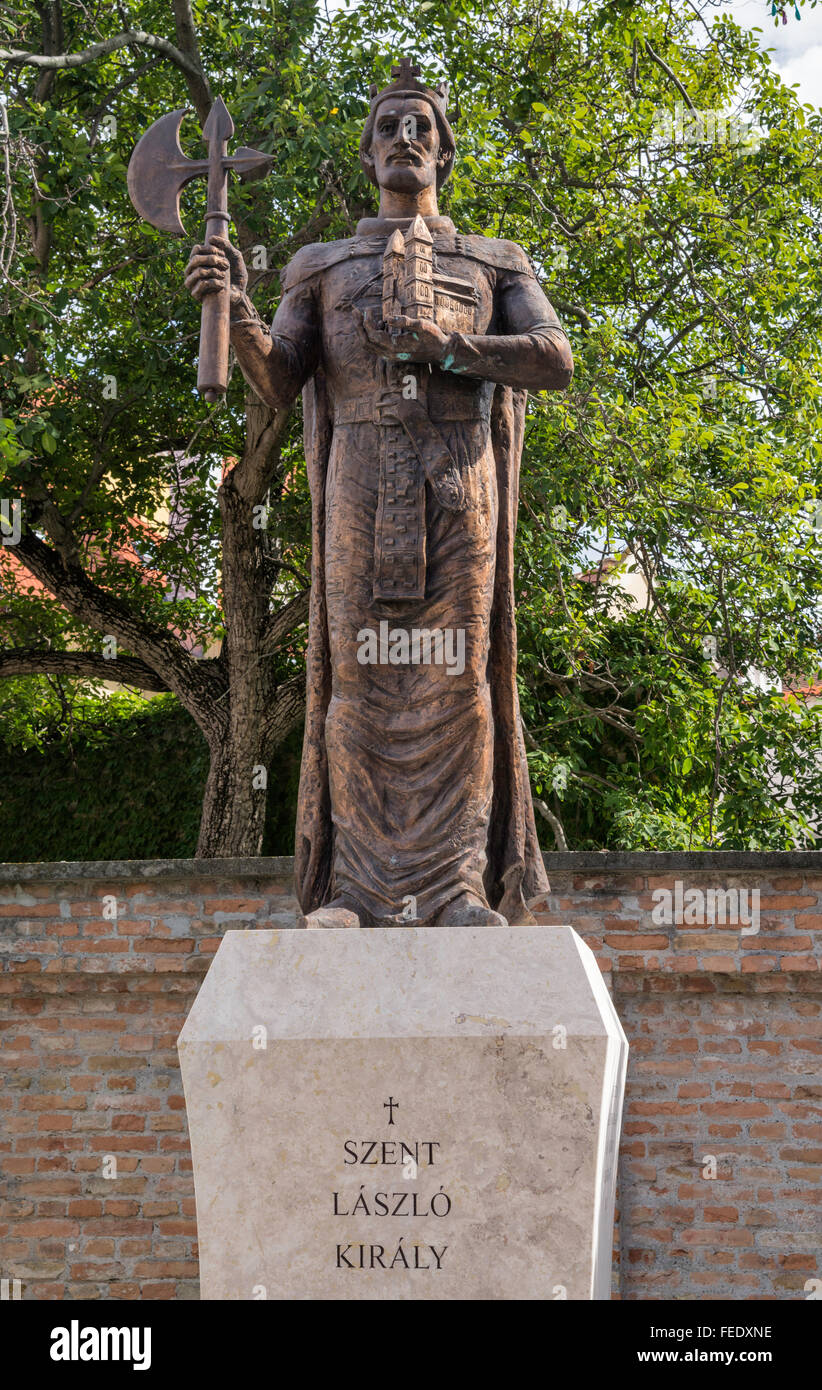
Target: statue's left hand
[402,339]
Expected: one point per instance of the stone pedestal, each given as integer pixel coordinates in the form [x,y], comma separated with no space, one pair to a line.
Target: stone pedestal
[406,1113]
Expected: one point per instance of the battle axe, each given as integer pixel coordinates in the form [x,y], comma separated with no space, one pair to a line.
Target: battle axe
[157,173]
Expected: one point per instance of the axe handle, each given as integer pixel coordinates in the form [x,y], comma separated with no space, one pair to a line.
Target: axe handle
[212,373]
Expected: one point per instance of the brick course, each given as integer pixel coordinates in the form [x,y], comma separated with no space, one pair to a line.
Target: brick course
[719,1186]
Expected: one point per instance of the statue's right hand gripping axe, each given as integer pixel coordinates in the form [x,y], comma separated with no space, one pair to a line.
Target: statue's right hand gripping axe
[157,173]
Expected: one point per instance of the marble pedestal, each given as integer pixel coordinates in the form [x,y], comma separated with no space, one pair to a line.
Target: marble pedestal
[404,1113]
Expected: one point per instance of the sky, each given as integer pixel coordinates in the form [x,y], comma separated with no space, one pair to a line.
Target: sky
[797,45]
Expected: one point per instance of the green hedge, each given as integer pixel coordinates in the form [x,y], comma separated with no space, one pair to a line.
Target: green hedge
[129,788]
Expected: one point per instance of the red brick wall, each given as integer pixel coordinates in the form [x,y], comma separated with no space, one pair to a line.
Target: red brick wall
[725,1068]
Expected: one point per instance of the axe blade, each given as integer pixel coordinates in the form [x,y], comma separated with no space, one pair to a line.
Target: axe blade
[158,171]
[245,160]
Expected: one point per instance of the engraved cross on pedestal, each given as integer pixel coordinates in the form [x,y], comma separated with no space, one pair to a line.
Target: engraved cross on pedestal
[391,1105]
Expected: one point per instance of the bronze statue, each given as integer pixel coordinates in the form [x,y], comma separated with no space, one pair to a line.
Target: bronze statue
[414,346]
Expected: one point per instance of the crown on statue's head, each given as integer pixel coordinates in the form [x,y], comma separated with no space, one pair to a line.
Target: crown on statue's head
[406,84]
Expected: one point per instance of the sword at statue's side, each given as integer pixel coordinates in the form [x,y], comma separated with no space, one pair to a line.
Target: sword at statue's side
[157,173]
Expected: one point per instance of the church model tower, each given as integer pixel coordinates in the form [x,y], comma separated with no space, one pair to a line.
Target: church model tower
[418,281]
[393,262]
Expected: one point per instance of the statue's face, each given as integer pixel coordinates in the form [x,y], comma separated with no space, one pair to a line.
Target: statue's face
[405,146]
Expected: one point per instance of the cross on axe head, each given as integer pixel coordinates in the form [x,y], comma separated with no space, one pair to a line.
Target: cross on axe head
[158,171]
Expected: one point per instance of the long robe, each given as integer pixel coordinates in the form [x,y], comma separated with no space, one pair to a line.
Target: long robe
[515,870]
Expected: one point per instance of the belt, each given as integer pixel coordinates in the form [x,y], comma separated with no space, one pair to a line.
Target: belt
[369,410]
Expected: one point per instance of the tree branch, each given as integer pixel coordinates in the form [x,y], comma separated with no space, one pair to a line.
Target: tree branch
[102,50]
[285,620]
[576,311]
[127,670]
[660,62]
[286,710]
[554,822]
[252,476]
[196,80]
[196,683]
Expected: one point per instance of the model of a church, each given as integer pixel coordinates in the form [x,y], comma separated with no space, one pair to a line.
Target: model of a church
[412,285]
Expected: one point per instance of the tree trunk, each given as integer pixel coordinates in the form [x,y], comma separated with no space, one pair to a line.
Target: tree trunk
[255,714]
[242,752]
[234,803]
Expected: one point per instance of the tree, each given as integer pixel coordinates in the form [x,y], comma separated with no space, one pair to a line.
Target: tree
[100,426]
[682,254]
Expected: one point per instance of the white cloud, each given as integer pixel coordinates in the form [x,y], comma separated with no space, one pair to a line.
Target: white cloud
[806,70]
[796,46]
